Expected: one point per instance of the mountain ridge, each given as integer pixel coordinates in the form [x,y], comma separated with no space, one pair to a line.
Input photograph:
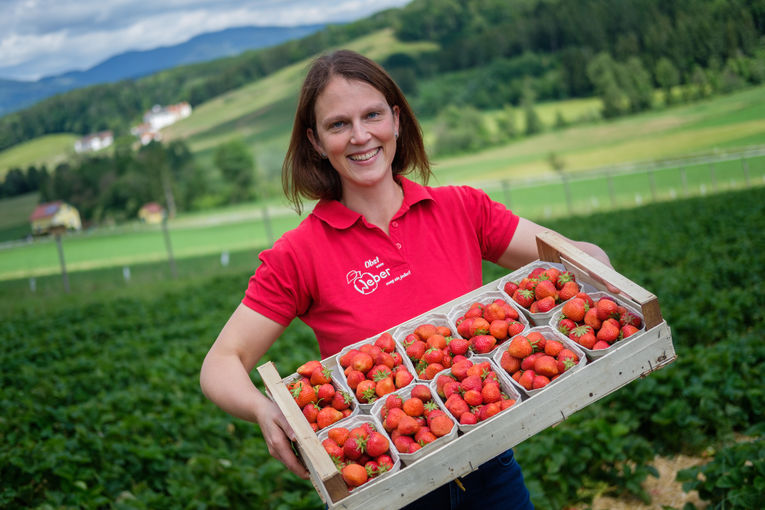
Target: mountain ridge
[17,94]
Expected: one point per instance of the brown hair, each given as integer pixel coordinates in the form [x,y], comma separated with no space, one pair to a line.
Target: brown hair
[304,173]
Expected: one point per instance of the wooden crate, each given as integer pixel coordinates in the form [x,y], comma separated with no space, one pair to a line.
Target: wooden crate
[625,362]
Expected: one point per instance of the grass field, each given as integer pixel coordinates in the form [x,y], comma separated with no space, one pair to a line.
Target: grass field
[48,150]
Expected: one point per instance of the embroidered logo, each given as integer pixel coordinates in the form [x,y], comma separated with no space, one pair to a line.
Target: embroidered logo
[366,282]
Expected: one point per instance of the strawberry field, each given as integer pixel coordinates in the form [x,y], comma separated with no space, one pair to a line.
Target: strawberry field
[100,404]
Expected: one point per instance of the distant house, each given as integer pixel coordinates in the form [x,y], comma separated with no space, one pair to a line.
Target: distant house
[94,142]
[54,214]
[160,117]
[151,213]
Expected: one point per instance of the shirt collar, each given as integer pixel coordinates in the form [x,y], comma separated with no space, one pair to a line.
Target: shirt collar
[337,216]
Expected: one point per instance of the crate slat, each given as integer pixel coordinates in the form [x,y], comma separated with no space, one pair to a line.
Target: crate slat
[324,475]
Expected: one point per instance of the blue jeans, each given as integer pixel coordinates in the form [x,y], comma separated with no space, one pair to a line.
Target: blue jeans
[497,484]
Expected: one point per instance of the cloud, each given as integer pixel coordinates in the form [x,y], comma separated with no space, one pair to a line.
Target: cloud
[48,37]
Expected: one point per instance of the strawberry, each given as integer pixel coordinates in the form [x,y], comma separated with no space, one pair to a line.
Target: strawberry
[480,326]
[463,327]
[354,377]
[436,341]
[566,325]
[494,312]
[456,405]
[587,299]
[310,411]
[600,344]
[473,397]
[414,407]
[514,328]
[384,386]
[433,355]
[332,448]
[553,348]
[519,347]
[303,393]
[424,331]
[539,382]
[568,290]
[354,475]
[325,393]
[408,426]
[386,342]
[546,365]
[523,297]
[365,391]
[402,378]
[552,274]
[441,425]
[307,368]
[510,288]
[327,416]
[468,418]
[628,318]
[377,444]
[338,434]
[564,278]
[392,419]
[575,309]
[608,332]
[527,363]
[537,340]
[509,363]
[527,379]
[458,346]
[421,392]
[491,393]
[583,335]
[544,289]
[345,359]
[362,362]
[482,344]
[628,329]
[416,350]
[545,304]
[591,318]
[606,308]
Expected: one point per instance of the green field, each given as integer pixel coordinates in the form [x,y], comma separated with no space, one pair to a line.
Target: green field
[46,150]
[101,396]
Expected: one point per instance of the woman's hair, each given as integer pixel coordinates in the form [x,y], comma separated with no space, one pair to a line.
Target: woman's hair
[305,174]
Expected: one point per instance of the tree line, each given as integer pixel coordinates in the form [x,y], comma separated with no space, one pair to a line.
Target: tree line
[111,187]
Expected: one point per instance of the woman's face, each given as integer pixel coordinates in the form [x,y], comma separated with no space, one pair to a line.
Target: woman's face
[356,129]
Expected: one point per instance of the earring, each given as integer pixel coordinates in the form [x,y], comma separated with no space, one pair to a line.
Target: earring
[395,134]
[323,155]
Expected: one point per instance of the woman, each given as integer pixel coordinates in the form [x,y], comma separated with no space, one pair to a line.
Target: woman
[377,250]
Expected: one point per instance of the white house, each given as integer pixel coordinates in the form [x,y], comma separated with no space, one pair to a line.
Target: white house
[160,117]
[94,142]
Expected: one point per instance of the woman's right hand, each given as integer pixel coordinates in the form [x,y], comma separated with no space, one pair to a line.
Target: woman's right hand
[278,433]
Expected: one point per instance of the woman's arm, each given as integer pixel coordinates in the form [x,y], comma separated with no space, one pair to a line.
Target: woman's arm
[523,247]
[225,380]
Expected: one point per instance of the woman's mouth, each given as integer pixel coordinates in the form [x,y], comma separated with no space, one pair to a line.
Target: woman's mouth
[364,156]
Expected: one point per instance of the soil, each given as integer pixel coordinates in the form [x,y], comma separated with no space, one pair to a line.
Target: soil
[664,491]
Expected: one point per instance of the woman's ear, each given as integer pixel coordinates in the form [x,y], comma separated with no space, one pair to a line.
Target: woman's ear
[396,111]
[315,142]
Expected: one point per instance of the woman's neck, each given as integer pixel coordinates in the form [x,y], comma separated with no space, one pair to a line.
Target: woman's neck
[377,204]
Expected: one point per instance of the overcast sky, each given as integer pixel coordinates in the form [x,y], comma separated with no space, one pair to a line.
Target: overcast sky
[47,37]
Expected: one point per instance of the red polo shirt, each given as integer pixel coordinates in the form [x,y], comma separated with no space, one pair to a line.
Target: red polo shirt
[348,280]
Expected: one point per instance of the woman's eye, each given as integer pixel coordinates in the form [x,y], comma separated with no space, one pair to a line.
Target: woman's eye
[336,125]
[373,115]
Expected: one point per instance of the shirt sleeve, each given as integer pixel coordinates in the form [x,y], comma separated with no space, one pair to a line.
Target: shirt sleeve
[495,224]
[277,289]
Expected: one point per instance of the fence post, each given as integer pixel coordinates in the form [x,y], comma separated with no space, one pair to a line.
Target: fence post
[126,274]
[506,193]
[64,276]
[169,246]
[745,164]
[33,284]
[267,225]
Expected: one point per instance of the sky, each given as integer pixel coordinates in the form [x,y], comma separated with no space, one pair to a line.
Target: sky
[48,37]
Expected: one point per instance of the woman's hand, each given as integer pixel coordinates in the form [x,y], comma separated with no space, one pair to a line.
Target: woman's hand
[278,433]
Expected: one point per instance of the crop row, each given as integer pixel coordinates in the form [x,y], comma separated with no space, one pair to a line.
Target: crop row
[101,407]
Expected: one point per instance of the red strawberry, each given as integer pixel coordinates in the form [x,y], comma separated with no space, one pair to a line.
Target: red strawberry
[564,278]
[483,343]
[583,335]
[553,347]
[606,308]
[480,326]
[545,304]
[421,392]
[310,411]
[491,393]
[552,274]
[416,350]
[377,444]
[338,434]
[539,381]
[327,416]
[527,378]
[587,299]
[545,288]
[608,332]
[628,329]
[514,328]
[629,318]
[569,290]
[303,393]
[354,475]
[307,368]
[509,363]
[494,311]
[325,393]
[591,318]
[575,309]
[457,346]
[510,288]
[600,344]
[402,378]
[520,347]
[386,342]
[566,325]
[546,365]
[523,297]
[441,425]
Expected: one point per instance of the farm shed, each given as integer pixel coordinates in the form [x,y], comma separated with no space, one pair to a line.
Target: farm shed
[151,213]
[54,214]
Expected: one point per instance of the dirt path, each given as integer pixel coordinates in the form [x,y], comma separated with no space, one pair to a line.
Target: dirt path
[664,491]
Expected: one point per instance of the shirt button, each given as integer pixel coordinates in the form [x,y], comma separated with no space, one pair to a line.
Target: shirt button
[394,224]
[398,245]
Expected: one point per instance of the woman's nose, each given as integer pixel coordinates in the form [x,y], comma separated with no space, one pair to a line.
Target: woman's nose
[359,135]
